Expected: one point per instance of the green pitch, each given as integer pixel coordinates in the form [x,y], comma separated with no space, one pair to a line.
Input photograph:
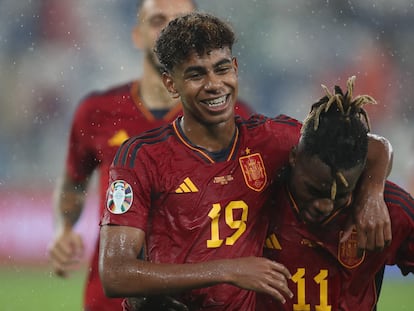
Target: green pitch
[397,294]
[28,288]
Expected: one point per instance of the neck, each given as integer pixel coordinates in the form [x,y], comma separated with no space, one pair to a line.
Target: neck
[213,137]
[153,93]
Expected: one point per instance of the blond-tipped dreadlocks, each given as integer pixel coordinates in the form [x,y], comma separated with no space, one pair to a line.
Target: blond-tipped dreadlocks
[336,130]
[345,103]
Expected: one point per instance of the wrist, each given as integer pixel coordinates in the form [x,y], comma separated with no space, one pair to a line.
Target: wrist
[373,183]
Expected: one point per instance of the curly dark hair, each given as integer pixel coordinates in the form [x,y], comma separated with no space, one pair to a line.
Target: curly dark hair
[194,32]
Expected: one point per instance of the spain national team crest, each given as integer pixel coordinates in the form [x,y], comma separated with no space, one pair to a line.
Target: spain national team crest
[119,198]
[348,251]
[253,171]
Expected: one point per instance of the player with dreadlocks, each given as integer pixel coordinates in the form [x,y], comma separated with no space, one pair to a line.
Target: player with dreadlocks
[336,120]
[315,200]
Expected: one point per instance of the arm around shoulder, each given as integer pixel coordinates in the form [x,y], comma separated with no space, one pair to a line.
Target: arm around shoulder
[371,213]
[380,158]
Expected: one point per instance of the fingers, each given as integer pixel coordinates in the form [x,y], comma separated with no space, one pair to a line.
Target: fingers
[371,237]
[261,275]
[277,295]
[387,234]
[60,258]
[279,291]
[383,237]
[374,237]
[373,225]
[279,268]
[65,253]
[378,240]
[349,228]
[279,288]
[62,264]
[386,229]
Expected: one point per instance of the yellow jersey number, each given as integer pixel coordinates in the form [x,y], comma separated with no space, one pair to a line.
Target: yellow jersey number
[237,224]
[322,280]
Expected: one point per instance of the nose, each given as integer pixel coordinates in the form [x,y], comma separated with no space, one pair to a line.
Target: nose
[323,207]
[213,82]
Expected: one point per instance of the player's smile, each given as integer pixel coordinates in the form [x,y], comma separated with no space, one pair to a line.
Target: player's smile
[207,85]
[218,103]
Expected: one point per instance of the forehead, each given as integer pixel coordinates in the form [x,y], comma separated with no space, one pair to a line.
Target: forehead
[314,170]
[165,7]
[209,59]
[317,174]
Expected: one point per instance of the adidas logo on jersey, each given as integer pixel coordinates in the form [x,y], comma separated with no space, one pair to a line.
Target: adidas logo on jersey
[186,187]
[272,242]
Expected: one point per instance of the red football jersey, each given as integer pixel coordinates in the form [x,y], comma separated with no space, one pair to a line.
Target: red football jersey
[102,122]
[194,208]
[326,274]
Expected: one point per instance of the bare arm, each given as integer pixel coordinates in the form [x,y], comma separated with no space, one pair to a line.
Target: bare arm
[67,246]
[123,275]
[371,213]
[379,161]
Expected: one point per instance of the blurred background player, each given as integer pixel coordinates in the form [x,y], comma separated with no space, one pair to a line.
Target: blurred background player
[315,201]
[103,121]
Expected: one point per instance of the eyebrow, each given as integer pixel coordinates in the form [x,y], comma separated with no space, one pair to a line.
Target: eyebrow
[325,193]
[201,68]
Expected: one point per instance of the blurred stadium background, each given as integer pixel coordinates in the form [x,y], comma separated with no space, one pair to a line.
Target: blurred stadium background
[52,53]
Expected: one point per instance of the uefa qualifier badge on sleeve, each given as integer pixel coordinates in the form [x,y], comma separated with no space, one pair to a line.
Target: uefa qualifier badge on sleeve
[120,196]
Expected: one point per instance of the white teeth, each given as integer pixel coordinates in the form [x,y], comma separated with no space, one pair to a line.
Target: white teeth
[216,102]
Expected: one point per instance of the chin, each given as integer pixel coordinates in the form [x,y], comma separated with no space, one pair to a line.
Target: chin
[223,118]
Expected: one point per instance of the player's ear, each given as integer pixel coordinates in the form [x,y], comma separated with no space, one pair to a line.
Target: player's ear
[169,84]
[136,36]
[235,64]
